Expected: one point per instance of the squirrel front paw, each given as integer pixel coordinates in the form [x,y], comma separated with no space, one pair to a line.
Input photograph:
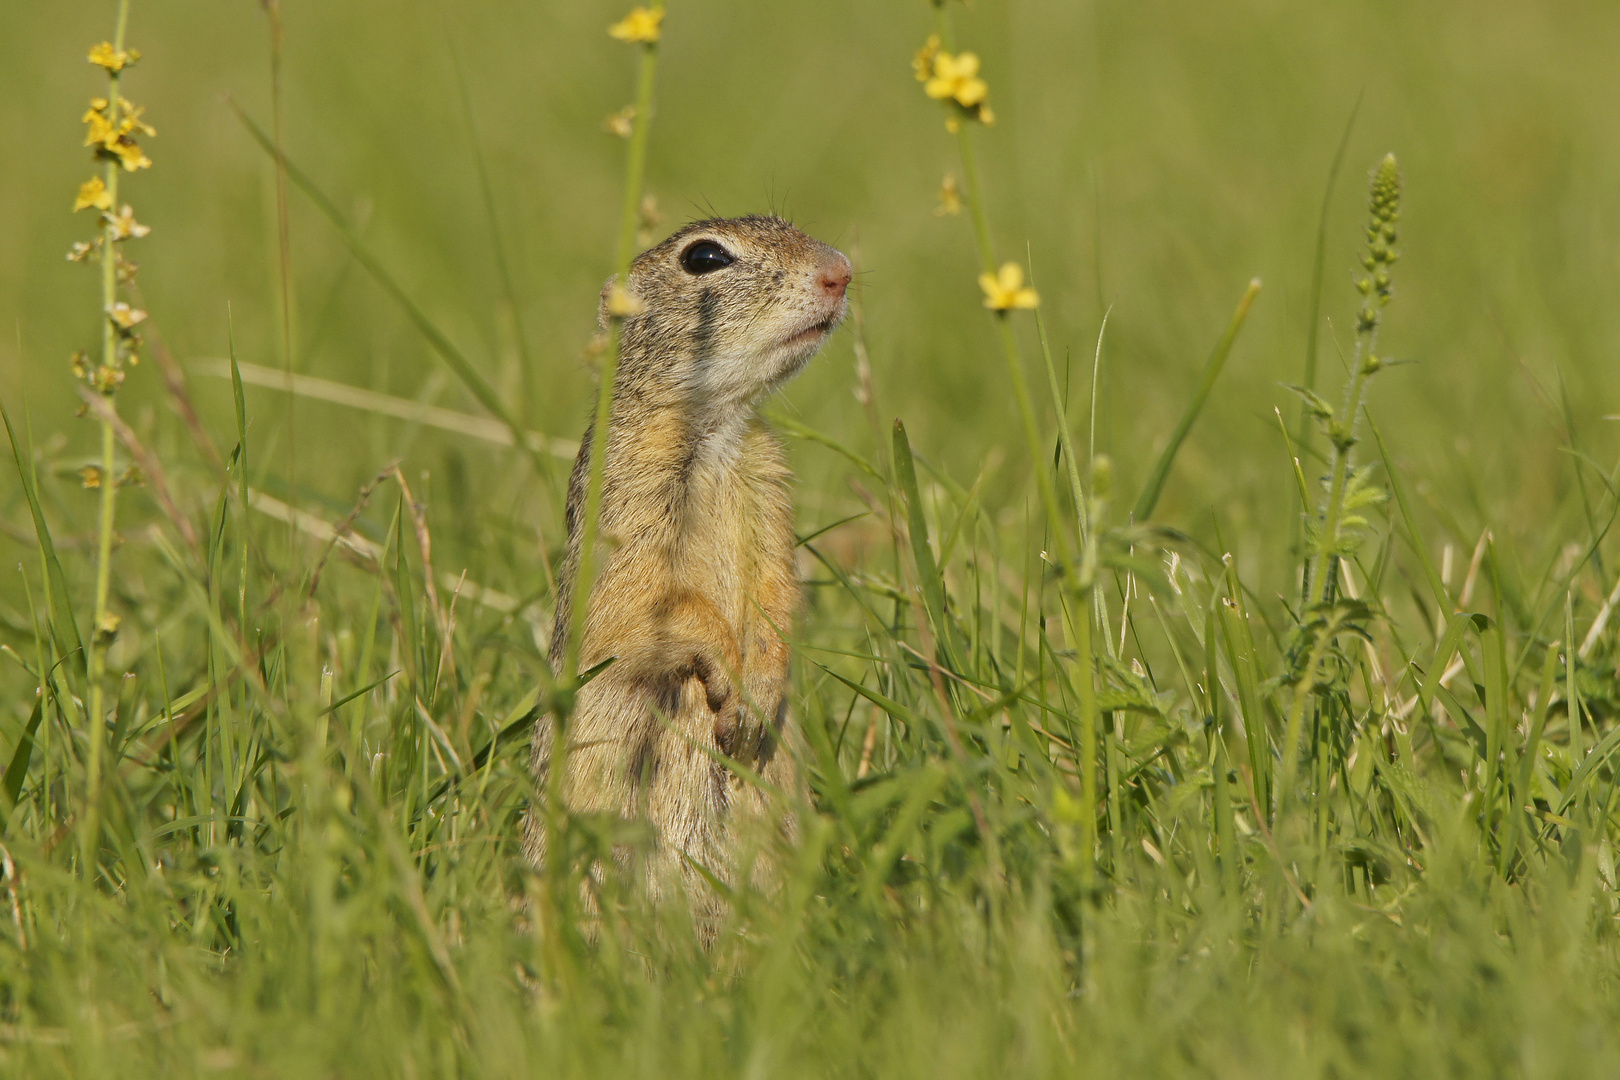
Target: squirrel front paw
[728,728]
[723,702]
[716,686]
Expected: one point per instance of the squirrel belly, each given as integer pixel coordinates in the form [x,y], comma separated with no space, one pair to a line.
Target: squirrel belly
[696,591]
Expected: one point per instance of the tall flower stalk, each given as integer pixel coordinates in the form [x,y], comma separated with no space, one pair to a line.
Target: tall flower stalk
[1336,529]
[113,130]
[1383,210]
[642,27]
[952,78]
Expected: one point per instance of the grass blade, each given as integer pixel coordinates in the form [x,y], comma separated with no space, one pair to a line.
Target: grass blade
[1212,371]
[463,368]
[933,586]
[64,627]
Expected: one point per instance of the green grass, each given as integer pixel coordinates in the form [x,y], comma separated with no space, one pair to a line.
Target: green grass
[1092,795]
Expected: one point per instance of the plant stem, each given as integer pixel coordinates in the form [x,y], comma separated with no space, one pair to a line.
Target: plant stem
[970,178]
[1079,578]
[272,10]
[1081,627]
[584,575]
[1321,564]
[1296,723]
[567,684]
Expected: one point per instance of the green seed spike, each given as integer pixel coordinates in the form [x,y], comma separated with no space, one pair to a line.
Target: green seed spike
[1383,209]
[1385,202]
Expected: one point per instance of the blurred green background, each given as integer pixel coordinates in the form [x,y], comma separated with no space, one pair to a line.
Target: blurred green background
[1153,156]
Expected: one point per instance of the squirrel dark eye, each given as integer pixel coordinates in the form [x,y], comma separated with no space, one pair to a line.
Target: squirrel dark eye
[705,257]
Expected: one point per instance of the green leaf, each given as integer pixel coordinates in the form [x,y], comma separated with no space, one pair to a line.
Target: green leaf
[17,771]
[1315,404]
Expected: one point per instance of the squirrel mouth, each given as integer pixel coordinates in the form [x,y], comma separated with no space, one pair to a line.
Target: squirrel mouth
[812,333]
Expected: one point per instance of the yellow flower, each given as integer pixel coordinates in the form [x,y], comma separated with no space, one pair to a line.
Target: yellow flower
[130,154]
[107,379]
[81,365]
[117,140]
[640,25]
[922,65]
[124,224]
[647,219]
[622,303]
[950,198]
[101,131]
[1006,289]
[131,122]
[82,251]
[114,60]
[90,476]
[125,317]
[93,193]
[956,78]
[620,123]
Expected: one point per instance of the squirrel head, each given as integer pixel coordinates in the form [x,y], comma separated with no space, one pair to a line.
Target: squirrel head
[727,309]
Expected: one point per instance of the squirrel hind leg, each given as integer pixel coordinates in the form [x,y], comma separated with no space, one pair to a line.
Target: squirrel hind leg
[687,800]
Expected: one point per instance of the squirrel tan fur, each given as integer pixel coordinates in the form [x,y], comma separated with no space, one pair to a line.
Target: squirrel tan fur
[696,589]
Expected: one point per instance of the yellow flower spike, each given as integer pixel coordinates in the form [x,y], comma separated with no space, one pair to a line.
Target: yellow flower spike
[114,60]
[1006,289]
[93,192]
[124,225]
[622,304]
[641,25]
[956,78]
[950,198]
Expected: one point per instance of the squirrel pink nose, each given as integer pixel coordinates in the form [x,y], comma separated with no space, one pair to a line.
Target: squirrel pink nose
[834,276]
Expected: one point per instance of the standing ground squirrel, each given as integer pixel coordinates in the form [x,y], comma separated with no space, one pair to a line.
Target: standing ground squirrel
[697,589]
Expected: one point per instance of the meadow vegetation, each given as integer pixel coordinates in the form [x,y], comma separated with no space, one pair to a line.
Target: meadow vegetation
[1210,662]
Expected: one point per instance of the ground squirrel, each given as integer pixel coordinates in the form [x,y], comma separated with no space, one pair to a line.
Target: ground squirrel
[696,589]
